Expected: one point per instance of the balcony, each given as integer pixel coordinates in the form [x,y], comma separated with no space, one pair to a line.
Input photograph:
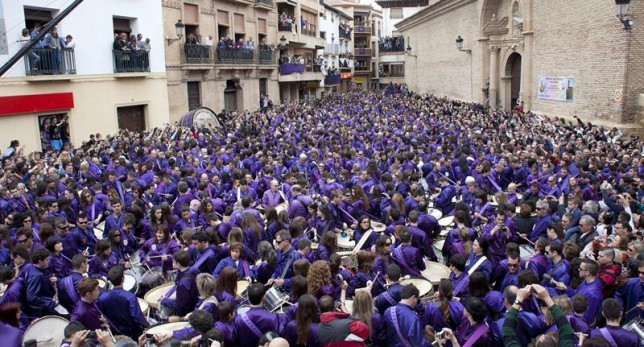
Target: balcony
[363,52]
[332,80]
[285,27]
[265,4]
[346,64]
[50,61]
[235,56]
[266,57]
[299,72]
[198,55]
[288,68]
[362,28]
[131,61]
[362,70]
[332,48]
[344,33]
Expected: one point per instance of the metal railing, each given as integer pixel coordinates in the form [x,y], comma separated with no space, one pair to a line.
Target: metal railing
[362,51]
[392,74]
[332,48]
[235,56]
[345,34]
[265,2]
[309,32]
[50,61]
[131,61]
[362,68]
[266,57]
[285,27]
[198,54]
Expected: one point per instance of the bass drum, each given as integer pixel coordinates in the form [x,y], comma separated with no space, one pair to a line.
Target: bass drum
[202,118]
[47,331]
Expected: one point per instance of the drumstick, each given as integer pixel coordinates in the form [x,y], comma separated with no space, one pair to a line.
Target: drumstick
[525,238]
[631,310]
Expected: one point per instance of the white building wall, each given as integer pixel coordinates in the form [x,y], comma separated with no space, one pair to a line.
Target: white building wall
[92,28]
[388,24]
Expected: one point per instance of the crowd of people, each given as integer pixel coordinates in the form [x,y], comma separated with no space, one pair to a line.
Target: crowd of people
[392,44]
[49,53]
[536,221]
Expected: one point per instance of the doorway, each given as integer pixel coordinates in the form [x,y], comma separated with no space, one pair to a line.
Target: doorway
[513,70]
[230,95]
[131,117]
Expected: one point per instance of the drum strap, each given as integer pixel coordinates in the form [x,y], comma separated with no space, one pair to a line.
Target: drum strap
[250,325]
[203,258]
[362,241]
[482,329]
[68,282]
[288,265]
[399,257]
[390,299]
[244,265]
[606,334]
[210,299]
[476,265]
[459,287]
[394,319]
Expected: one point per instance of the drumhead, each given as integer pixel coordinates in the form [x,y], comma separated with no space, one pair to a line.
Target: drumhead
[167,327]
[446,221]
[242,285]
[434,212]
[144,306]
[153,296]
[434,271]
[349,305]
[378,227]
[345,242]
[101,283]
[48,331]
[130,282]
[424,286]
[439,244]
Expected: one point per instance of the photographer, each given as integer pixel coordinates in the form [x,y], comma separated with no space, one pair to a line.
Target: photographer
[510,326]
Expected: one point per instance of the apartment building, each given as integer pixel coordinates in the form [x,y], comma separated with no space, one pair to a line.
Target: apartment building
[336,27]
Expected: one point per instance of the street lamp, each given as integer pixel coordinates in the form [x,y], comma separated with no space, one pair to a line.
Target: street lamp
[179,26]
[459,45]
[621,7]
[408,52]
[283,42]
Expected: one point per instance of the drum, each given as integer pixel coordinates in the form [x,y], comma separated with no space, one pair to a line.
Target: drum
[167,327]
[378,227]
[274,299]
[434,271]
[281,207]
[243,309]
[61,310]
[349,305]
[424,286]
[446,221]
[635,325]
[156,294]
[48,331]
[345,242]
[151,279]
[314,245]
[130,283]
[242,286]
[144,306]
[102,283]
[438,245]
[434,212]
[137,271]
[526,252]
[444,232]
[98,230]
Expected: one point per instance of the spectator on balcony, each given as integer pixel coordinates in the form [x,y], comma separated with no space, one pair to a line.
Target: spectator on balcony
[54,43]
[69,42]
[250,45]
[131,44]
[207,40]
[139,41]
[120,43]
[34,59]
[121,48]
[221,44]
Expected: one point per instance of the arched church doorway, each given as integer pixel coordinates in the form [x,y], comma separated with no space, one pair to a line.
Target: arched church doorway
[513,70]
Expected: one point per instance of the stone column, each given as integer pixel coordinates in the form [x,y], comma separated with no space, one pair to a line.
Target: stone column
[494,75]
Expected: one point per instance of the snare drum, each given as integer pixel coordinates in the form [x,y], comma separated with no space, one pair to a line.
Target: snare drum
[155,295]
[144,306]
[152,279]
[281,207]
[167,327]
[434,212]
[274,299]
[434,271]
[378,227]
[242,286]
[526,252]
[137,271]
[345,242]
[130,283]
[102,284]
[424,286]
[48,331]
[446,221]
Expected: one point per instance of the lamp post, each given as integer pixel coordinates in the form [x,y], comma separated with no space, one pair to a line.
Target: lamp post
[178,26]
[283,42]
[621,7]
[459,45]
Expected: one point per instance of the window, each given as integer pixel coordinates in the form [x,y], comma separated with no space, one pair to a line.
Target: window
[50,134]
[194,95]
[240,25]
[222,18]
[121,25]
[262,86]
[396,13]
[190,13]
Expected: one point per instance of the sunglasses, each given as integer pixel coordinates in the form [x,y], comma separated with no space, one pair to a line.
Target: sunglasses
[22,241]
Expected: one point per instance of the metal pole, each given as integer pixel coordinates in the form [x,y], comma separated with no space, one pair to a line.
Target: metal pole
[38,37]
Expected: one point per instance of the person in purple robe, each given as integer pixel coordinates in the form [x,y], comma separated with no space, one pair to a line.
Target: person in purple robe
[631,295]
[121,308]
[443,311]
[472,331]
[498,235]
[590,287]
[443,201]
[541,224]
[86,311]
[251,325]
[613,331]
[9,329]
[185,287]
[303,330]
[403,328]
[103,261]
[236,262]
[158,250]
[559,269]
[479,259]
[506,273]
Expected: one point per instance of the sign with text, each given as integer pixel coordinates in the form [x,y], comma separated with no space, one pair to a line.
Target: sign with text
[555,88]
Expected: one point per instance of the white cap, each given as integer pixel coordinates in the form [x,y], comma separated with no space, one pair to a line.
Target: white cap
[469,179]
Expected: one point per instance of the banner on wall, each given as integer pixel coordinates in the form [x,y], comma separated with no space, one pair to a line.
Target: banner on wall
[555,88]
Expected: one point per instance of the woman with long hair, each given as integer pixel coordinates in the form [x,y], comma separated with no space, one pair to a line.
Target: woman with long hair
[444,311]
[398,202]
[236,235]
[319,281]
[66,210]
[383,251]
[156,218]
[252,231]
[274,223]
[299,287]
[158,250]
[92,207]
[263,272]
[365,263]
[207,302]
[226,288]
[479,258]
[303,330]
[362,228]
[324,222]
[104,259]
[206,208]
[363,311]
[359,203]
[328,245]
[59,265]
[479,287]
